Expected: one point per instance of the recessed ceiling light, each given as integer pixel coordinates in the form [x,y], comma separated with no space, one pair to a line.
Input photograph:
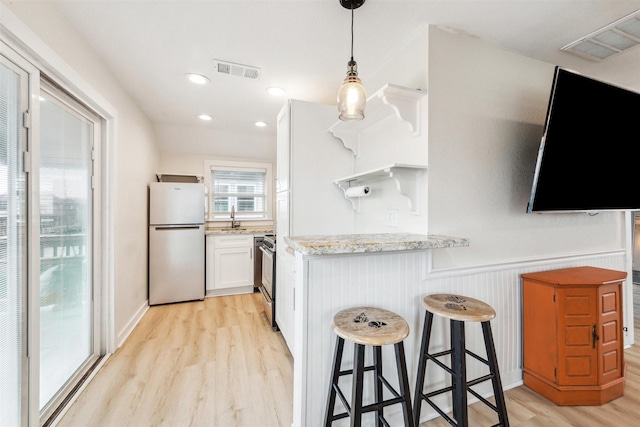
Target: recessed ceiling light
[205,117]
[198,79]
[260,124]
[275,91]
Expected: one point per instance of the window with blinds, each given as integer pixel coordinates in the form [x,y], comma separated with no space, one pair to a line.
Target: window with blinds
[243,190]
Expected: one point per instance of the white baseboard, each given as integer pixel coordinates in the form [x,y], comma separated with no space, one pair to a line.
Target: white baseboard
[229,291]
[126,331]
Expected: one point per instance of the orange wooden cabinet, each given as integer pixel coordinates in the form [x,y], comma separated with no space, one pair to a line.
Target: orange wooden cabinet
[572,334]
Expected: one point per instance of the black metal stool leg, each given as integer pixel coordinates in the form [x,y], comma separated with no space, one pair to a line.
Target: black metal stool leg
[404,384]
[459,378]
[356,394]
[335,376]
[495,372]
[377,363]
[422,366]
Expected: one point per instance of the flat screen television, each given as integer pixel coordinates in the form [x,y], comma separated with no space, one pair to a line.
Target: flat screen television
[587,160]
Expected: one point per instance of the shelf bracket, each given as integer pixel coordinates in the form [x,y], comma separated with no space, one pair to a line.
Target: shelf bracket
[344,188]
[404,104]
[408,180]
[350,140]
[408,184]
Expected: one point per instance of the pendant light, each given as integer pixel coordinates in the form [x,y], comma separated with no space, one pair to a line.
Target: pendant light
[351,96]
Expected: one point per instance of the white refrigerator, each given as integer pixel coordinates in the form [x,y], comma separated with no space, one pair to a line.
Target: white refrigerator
[176,242]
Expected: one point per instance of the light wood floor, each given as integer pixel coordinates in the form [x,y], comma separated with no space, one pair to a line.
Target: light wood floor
[217,363]
[210,363]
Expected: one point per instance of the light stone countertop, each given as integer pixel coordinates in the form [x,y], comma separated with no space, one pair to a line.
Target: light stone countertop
[240,230]
[362,243]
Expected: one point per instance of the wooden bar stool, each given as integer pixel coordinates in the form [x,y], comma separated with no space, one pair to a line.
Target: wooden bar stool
[459,309]
[375,327]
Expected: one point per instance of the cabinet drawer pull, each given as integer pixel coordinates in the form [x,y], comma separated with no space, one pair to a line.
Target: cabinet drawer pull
[594,336]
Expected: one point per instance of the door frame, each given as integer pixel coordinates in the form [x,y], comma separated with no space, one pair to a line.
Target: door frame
[30,113]
[72,106]
[627,293]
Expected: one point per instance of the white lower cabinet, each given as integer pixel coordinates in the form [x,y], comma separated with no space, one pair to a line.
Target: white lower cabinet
[229,264]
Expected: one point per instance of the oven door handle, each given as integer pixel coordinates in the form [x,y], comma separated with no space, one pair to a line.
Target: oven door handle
[265,295]
[266,251]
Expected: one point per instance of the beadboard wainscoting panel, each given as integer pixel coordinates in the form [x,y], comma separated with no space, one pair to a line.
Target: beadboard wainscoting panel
[387,280]
[396,281]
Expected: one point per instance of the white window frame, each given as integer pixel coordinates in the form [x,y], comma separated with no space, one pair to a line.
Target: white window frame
[239,165]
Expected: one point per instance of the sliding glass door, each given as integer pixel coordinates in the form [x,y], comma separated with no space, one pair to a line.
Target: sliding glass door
[13,244]
[69,342]
[50,318]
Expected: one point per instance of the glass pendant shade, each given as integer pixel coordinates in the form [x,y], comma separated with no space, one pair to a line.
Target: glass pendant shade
[352,97]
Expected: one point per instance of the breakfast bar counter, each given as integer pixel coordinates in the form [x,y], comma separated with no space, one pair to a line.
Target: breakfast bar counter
[361,243]
[330,273]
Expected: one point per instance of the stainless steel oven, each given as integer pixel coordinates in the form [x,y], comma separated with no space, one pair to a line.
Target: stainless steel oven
[268,287]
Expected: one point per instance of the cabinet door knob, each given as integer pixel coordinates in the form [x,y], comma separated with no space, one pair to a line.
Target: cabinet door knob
[594,336]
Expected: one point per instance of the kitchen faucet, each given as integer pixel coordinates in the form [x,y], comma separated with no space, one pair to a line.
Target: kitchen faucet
[234,224]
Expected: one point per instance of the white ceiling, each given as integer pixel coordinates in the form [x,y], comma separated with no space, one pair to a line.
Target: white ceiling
[303,46]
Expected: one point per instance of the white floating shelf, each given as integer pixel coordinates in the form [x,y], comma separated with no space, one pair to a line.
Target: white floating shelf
[390,100]
[407,178]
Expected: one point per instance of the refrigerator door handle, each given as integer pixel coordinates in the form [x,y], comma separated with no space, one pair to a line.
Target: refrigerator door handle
[188,227]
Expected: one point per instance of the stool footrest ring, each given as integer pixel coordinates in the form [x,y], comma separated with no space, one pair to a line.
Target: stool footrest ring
[370,408]
[350,371]
[483,400]
[480,380]
[441,413]
[376,406]
[478,358]
[342,398]
[432,357]
[426,396]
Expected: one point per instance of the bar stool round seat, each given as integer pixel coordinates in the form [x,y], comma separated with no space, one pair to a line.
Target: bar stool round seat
[458,309]
[368,327]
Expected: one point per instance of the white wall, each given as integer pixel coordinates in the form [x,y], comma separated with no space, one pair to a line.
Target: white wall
[135,163]
[193,164]
[486,112]
[205,140]
[201,143]
[408,66]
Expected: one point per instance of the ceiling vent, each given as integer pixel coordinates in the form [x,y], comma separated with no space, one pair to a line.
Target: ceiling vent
[608,41]
[238,70]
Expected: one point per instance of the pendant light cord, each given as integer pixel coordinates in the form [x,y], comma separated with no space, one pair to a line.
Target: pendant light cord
[351,31]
